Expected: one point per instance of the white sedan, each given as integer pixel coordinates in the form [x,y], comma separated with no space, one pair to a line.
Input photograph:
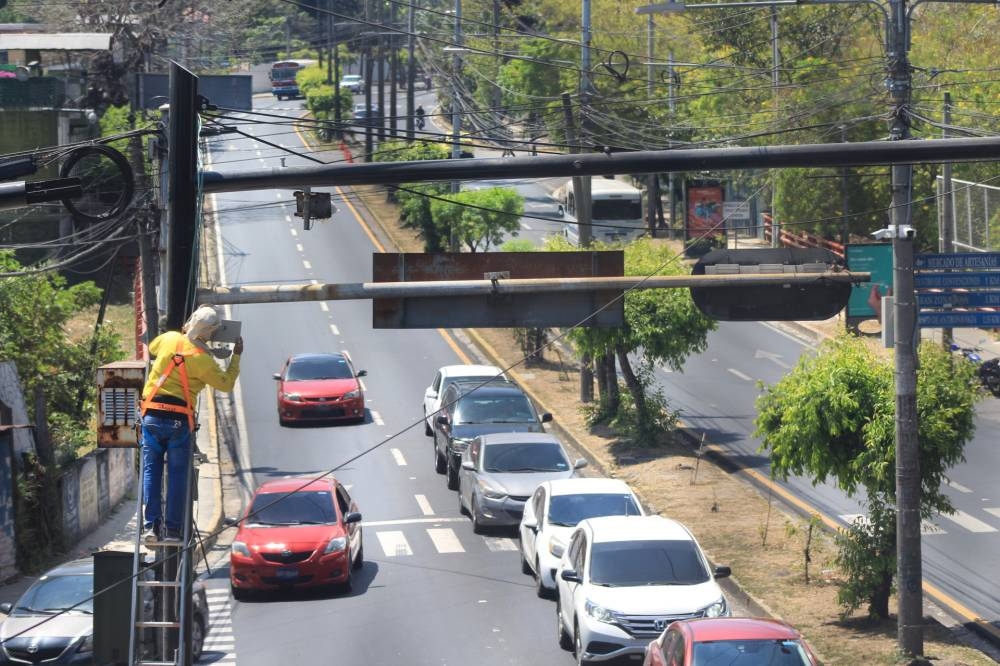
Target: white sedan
[446,375]
[554,510]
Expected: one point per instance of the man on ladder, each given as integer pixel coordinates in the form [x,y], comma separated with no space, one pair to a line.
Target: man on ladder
[184,365]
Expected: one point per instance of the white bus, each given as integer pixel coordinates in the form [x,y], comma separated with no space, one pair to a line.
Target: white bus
[617,210]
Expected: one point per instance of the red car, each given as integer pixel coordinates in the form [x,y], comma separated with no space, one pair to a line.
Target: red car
[297,533]
[734,641]
[320,387]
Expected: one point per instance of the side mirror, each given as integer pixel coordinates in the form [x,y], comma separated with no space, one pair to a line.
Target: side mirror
[530,523]
[277,376]
[352,517]
[442,419]
[362,373]
[469,465]
[580,463]
[430,393]
[6,608]
[230,522]
[546,417]
[557,549]
[570,576]
[723,572]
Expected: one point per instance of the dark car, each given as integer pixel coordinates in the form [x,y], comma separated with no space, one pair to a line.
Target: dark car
[470,409]
[53,621]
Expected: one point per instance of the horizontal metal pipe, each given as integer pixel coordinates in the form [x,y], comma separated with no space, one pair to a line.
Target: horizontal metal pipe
[864,153]
[290,293]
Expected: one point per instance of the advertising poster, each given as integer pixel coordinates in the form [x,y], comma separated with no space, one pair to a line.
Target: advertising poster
[874,258]
[704,211]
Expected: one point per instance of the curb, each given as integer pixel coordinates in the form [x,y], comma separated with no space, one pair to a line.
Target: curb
[209,533]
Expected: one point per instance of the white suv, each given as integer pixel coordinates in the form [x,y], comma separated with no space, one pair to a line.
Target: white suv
[445,375]
[622,580]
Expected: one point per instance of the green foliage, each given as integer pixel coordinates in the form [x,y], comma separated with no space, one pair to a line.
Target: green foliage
[478,219]
[645,426]
[415,198]
[32,334]
[867,556]
[518,245]
[309,78]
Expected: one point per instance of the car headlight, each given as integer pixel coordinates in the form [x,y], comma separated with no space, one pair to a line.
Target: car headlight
[87,644]
[460,444]
[556,547]
[718,609]
[336,545]
[240,548]
[492,493]
[294,397]
[356,393]
[600,613]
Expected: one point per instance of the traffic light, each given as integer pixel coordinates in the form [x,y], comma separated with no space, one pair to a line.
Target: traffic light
[317,206]
[778,302]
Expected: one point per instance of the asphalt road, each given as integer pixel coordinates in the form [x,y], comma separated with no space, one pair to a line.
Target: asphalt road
[716,393]
[431,591]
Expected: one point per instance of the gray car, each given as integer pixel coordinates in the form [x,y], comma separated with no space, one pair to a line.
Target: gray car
[500,471]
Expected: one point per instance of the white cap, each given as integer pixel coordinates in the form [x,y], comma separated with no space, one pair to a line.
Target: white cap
[202,323]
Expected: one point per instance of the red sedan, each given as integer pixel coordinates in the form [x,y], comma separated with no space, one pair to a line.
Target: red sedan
[734,641]
[297,533]
[320,387]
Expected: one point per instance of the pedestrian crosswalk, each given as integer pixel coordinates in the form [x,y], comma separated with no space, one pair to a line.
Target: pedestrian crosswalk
[960,518]
[220,644]
[421,538]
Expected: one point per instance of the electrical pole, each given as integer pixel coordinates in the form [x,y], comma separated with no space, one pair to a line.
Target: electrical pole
[149,314]
[380,116]
[338,116]
[456,116]
[411,69]
[393,71]
[775,63]
[649,55]
[497,93]
[845,228]
[948,214]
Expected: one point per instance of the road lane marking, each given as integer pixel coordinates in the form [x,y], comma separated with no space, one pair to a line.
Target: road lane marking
[335,331]
[425,506]
[524,225]
[498,544]
[959,487]
[454,346]
[969,522]
[323,306]
[739,374]
[929,528]
[298,246]
[851,518]
[307,264]
[377,418]
[294,232]
[397,455]
[771,356]
[412,521]
[445,540]
[288,218]
[995,512]
[394,543]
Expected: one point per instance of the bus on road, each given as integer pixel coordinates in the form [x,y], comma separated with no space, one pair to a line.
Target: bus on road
[617,210]
[282,77]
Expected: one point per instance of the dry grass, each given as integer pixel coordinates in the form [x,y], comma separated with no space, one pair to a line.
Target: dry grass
[735,523]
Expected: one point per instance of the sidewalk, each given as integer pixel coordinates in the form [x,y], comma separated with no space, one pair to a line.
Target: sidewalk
[119,530]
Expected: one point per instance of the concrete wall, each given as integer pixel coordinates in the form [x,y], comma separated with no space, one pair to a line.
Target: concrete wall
[12,395]
[93,486]
[8,542]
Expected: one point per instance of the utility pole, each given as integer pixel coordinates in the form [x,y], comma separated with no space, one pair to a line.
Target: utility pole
[497,93]
[649,55]
[338,116]
[775,63]
[380,116]
[672,105]
[581,186]
[368,121]
[182,171]
[948,214]
[456,115]
[393,71]
[411,69]
[845,228]
[327,22]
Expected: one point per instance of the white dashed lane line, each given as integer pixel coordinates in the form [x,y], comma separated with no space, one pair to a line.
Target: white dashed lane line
[425,506]
[959,487]
[394,543]
[739,374]
[334,329]
[397,455]
[324,307]
[445,540]
[377,418]
[307,265]
[969,522]
[298,246]
[288,218]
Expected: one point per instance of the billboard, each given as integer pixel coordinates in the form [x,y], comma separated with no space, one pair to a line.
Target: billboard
[874,258]
[233,91]
[704,211]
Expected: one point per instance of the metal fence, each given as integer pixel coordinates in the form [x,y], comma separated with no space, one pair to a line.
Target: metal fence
[977,209]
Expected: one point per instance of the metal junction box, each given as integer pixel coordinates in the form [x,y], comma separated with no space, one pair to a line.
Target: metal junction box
[119,390]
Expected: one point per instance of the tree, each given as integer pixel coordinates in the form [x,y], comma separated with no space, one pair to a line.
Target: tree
[478,219]
[833,416]
[662,326]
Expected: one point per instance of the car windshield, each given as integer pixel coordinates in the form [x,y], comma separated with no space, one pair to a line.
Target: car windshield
[633,563]
[351,77]
[299,508]
[524,457]
[568,510]
[749,653]
[324,367]
[494,409]
[52,594]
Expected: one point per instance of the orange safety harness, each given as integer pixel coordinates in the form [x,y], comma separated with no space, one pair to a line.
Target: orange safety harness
[176,363]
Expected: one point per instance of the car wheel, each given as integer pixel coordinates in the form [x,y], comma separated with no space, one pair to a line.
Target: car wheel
[525,567]
[439,463]
[477,527]
[453,478]
[578,647]
[359,560]
[348,584]
[462,511]
[427,428]
[540,589]
[197,637]
[238,594]
[283,422]
[564,640]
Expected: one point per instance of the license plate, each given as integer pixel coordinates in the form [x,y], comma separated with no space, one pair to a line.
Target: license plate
[288,573]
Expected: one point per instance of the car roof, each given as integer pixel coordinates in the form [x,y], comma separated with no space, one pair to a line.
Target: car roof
[470,370]
[587,486]
[315,356]
[635,528]
[296,483]
[519,438]
[738,628]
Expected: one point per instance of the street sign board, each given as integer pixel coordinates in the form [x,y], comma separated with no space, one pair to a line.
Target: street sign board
[957,261]
[736,211]
[976,319]
[503,310]
[956,280]
[959,299]
[874,258]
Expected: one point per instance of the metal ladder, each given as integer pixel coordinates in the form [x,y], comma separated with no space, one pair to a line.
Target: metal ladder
[168,579]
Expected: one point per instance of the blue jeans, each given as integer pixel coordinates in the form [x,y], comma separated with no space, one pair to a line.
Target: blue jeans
[171,437]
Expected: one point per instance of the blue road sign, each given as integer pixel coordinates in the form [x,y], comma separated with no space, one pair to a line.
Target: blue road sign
[959,319]
[960,260]
[959,299]
[956,280]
